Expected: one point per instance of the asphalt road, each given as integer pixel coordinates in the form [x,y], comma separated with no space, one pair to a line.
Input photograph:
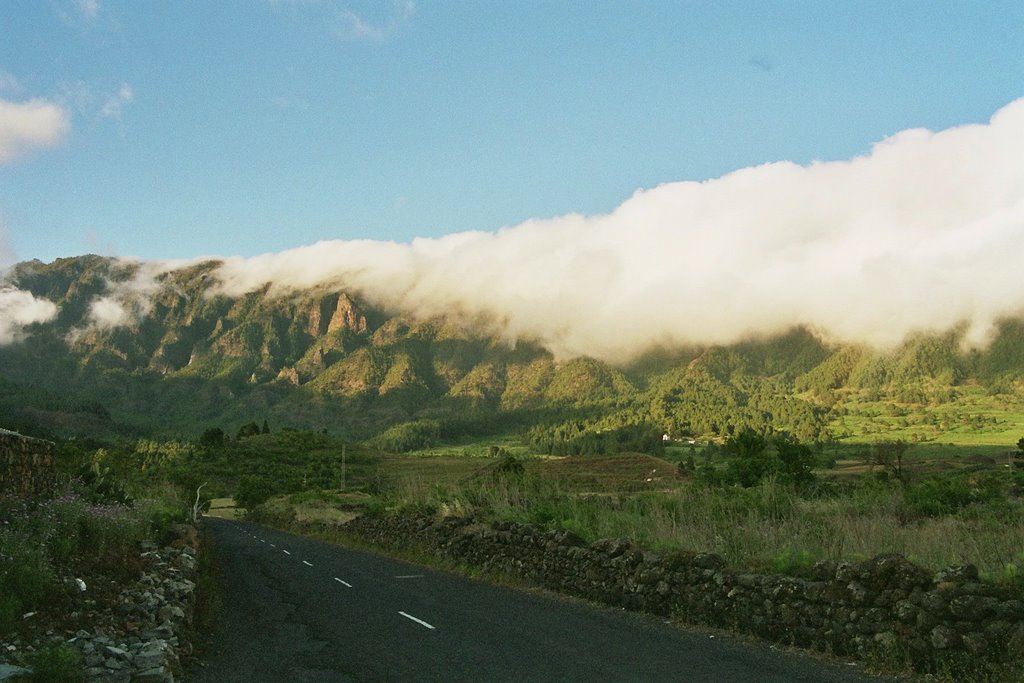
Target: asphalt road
[299,610]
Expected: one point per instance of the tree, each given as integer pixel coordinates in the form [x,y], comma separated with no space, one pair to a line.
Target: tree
[212,439]
[796,459]
[253,490]
[266,427]
[748,458]
[889,454]
[248,429]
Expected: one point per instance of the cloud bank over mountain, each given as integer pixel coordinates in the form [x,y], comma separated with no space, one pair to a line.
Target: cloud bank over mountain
[925,232]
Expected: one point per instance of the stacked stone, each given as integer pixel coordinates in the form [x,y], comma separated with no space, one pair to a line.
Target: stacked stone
[852,608]
[26,465]
[139,638]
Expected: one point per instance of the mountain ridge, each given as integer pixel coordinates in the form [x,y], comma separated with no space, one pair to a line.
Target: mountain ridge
[181,354]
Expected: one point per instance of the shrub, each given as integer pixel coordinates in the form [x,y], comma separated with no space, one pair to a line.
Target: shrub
[940,496]
[58,664]
[27,574]
[252,491]
[10,608]
[793,563]
[508,468]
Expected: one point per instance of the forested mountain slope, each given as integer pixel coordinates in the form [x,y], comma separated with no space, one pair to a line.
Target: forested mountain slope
[179,356]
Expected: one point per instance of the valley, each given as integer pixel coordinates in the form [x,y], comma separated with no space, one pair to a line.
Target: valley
[310,409]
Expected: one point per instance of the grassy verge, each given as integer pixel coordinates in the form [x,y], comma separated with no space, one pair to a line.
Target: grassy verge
[49,548]
[766,527]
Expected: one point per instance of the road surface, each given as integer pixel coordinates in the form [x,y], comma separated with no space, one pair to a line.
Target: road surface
[297,610]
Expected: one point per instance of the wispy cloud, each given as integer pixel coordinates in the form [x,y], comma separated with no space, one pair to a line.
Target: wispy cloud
[373,22]
[352,25]
[86,101]
[115,102]
[348,24]
[34,124]
[87,9]
[80,13]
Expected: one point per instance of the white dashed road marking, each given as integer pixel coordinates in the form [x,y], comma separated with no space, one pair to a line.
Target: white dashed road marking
[344,583]
[418,621]
[306,563]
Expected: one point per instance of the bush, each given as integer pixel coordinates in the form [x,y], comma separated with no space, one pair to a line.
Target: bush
[162,514]
[942,496]
[252,491]
[10,609]
[59,664]
[794,563]
[508,467]
[27,575]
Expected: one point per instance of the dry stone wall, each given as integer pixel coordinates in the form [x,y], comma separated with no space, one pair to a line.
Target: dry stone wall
[26,465]
[848,608]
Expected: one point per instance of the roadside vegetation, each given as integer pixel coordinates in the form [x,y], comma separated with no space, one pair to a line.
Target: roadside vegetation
[749,506]
[61,552]
[762,499]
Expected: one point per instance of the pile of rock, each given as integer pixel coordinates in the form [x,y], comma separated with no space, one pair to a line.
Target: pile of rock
[138,636]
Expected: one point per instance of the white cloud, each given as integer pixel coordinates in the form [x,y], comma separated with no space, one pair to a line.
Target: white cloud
[18,309]
[107,312]
[115,102]
[24,126]
[924,232]
[126,301]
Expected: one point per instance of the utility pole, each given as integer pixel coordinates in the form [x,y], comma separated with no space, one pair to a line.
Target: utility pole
[343,467]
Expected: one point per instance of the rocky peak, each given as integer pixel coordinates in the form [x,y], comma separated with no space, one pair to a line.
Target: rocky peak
[347,316]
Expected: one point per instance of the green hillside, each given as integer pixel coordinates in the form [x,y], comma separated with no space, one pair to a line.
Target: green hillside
[187,357]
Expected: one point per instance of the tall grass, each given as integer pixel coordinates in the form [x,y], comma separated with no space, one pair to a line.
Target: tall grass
[770,526]
[46,544]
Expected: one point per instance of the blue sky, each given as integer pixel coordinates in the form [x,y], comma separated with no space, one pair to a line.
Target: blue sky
[179,129]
